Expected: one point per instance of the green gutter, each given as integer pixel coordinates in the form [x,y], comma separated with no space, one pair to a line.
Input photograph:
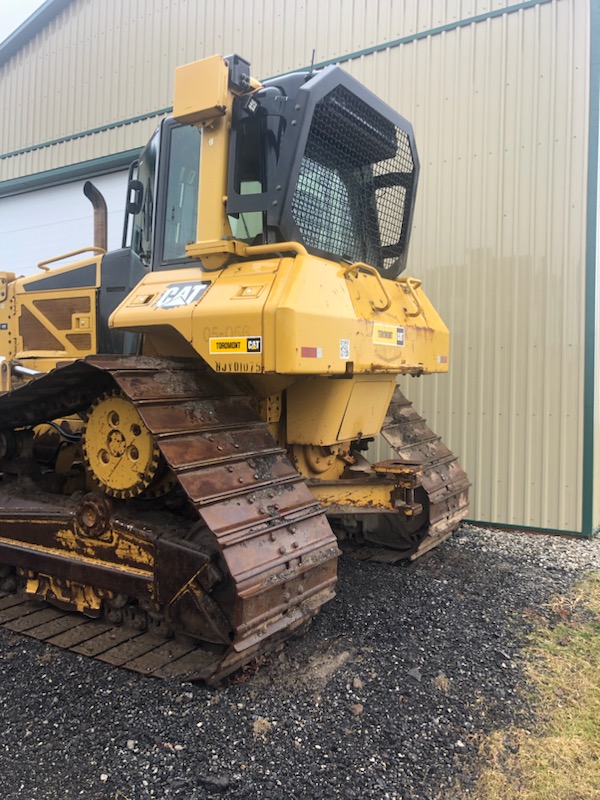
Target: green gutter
[461,23]
[506,526]
[451,26]
[589,525]
[73,172]
[30,28]
[100,129]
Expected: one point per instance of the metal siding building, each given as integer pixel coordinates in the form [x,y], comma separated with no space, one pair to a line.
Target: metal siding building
[504,100]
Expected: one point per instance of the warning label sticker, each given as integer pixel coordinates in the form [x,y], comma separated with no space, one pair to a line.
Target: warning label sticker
[388,334]
[234,345]
[311,352]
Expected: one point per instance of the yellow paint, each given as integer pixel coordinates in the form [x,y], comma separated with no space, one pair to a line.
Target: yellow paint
[325,411]
[119,449]
[331,337]
[123,545]
[303,302]
[43,265]
[410,286]
[77,595]
[354,495]
[127,549]
[202,97]
[140,310]
[28,301]
[314,317]
[6,278]
[323,463]
[213,222]
[201,91]
[20,299]
[8,328]
[270,408]
[82,321]
[79,555]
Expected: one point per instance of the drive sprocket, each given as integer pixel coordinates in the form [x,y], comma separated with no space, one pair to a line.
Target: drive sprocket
[118,449]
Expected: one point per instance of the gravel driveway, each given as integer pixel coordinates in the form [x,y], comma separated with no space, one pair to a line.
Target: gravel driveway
[383,698]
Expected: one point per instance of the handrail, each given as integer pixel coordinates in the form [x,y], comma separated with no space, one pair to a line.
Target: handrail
[220,247]
[94,249]
[412,284]
[275,247]
[357,267]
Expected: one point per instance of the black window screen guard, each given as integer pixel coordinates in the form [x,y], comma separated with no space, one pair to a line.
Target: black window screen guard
[356,173]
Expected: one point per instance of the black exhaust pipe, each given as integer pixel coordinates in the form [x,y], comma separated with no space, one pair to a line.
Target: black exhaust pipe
[94,195]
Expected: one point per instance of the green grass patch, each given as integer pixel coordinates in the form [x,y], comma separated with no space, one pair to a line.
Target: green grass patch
[560,758]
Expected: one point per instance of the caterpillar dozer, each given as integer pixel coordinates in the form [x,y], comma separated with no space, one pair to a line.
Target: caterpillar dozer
[184,421]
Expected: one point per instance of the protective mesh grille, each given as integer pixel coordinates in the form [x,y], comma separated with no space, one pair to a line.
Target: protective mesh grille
[355,178]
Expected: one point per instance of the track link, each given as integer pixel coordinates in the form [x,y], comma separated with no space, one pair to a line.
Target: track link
[122,646]
[257,520]
[441,484]
[439,472]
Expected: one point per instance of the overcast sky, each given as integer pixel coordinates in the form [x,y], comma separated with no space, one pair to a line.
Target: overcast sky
[13,13]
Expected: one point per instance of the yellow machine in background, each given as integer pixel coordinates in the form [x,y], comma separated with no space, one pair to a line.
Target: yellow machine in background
[179,418]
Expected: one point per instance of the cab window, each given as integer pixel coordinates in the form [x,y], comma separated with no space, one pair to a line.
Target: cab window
[181,207]
[143,221]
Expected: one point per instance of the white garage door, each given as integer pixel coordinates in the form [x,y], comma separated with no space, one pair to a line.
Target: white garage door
[41,224]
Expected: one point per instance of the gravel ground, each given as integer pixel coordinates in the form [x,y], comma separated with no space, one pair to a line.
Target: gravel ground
[385,697]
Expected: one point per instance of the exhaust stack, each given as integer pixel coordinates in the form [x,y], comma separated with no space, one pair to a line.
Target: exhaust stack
[94,195]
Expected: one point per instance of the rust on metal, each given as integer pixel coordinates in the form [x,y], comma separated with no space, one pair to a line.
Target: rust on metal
[243,557]
[435,489]
[255,560]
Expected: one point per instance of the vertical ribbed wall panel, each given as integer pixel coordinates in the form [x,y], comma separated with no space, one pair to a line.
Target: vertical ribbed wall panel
[500,110]
[101,61]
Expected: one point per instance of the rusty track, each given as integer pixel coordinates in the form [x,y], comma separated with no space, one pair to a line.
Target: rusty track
[258,523]
[122,646]
[440,475]
[252,517]
[442,487]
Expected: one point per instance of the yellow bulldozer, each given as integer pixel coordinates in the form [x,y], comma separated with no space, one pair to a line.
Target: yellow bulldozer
[184,421]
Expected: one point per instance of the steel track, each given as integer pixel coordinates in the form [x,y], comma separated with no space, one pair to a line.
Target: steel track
[438,471]
[267,533]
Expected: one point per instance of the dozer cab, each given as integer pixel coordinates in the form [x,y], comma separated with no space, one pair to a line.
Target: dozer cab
[184,422]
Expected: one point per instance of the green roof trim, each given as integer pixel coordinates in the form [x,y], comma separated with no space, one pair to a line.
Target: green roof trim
[589,525]
[461,23]
[74,172]
[30,28]
[414,37]
[100,129]
[505,526]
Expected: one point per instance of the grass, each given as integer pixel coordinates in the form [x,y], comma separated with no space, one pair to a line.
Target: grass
[560,758]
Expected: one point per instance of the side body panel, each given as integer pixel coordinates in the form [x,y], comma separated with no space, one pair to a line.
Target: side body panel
[292,316]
